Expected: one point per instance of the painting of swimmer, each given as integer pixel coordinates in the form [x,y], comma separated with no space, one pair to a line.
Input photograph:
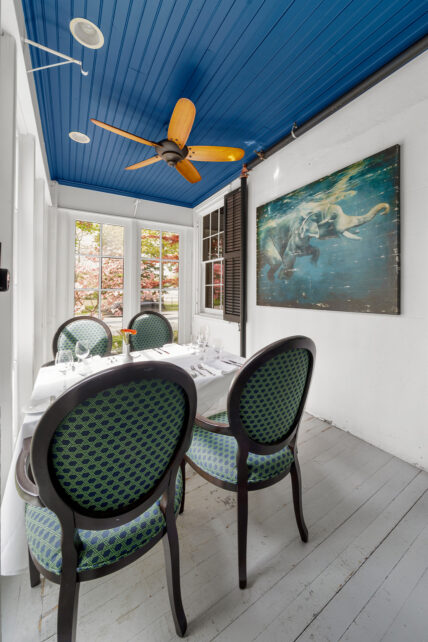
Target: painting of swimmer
[334,244]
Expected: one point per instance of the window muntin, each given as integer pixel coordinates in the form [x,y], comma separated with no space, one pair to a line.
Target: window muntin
[160,274]
[212,259]
[99,274]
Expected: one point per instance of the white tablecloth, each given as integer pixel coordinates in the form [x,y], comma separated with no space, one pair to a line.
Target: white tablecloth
[212,395]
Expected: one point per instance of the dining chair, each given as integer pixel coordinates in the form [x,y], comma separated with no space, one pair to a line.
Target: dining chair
[102,481]
[89,329]
[153,330]
[253,444]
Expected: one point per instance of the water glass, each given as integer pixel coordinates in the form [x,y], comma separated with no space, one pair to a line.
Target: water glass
[64,361]
[82,350]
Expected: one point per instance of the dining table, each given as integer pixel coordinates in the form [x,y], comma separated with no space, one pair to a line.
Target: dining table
[211,371]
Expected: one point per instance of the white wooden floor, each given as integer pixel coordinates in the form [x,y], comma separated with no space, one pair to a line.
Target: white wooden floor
[363,575]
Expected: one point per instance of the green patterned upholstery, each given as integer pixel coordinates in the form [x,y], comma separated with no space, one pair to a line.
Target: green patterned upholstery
[216,455]
[98,548]
[271,397]
[84,330]
[114,446]
[153,331]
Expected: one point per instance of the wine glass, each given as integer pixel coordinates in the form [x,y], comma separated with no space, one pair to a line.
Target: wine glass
[82,350]
[64,362]
[218,348]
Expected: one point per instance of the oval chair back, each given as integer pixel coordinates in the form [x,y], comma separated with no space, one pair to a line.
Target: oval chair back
[89,329]
[153,330]
[268,394]
[104,451]
[106,457]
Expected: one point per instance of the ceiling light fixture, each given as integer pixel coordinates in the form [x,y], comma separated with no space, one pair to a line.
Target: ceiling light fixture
[85,32]
[78,137]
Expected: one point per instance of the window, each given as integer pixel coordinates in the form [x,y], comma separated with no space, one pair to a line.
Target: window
[99,274]
[212,259]
[160,274]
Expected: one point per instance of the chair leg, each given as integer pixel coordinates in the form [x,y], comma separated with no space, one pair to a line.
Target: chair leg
[172,566]
[296,484]
[67,609]
[34,573]
[242,534]
[183,474]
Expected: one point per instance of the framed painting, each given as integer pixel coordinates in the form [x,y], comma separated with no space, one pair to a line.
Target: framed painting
[335,243]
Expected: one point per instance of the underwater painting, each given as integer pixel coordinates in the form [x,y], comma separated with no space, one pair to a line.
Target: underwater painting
[334,244]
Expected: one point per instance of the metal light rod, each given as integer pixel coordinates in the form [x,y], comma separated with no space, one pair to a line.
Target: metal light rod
[68,59]
[393,65]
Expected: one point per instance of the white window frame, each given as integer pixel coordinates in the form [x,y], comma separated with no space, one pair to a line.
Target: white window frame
[132,258]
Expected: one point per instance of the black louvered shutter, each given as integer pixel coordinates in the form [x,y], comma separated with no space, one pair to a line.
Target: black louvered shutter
[233,256]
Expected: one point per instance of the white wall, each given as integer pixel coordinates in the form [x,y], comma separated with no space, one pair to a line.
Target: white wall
[104,203]
[371,374]
[371,371]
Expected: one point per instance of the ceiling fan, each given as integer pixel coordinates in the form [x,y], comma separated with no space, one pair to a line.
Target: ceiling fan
[173,150]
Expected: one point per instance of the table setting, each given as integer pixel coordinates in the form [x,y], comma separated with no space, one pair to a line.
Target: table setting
[211,368]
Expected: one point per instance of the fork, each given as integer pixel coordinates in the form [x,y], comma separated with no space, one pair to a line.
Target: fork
[197,371]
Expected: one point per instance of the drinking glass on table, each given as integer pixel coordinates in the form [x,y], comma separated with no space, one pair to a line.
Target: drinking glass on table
[218,348]
[64,361]
[82,351]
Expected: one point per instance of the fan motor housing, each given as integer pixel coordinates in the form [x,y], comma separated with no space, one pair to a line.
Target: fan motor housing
[170,152]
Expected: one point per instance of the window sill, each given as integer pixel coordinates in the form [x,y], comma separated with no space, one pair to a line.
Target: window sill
[211,317]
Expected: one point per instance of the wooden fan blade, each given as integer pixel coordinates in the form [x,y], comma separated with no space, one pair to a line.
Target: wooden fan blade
[181,121]
[215,154]
[188,170]
[144,163]
[122,132]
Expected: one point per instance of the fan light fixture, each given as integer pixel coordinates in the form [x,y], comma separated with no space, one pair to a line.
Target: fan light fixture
[78,137]
[85,32]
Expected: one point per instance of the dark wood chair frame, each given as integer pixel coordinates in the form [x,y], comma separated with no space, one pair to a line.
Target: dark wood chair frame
[247,445]
[37,484]
[66,323]
[157,314]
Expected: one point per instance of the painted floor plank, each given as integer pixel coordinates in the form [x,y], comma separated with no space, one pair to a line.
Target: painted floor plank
[354,497]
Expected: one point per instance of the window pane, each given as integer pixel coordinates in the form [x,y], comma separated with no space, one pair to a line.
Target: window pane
[112,273]
[170,275]
[149,300]
[221,219]
[112,240]
[214,247]
[87,238]
[149,274]
[170,309]
[220,244]
[217,297]
[86,272]
[206,226]
[208,296]
[170,244]
[218,272]
[112,307]
[85,303]
[208,273]
[206,250]
[214,222]
[150,243]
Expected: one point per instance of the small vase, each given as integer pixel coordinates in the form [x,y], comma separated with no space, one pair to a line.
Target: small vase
[126,353]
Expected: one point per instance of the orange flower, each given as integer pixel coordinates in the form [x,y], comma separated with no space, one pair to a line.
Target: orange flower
[125,332]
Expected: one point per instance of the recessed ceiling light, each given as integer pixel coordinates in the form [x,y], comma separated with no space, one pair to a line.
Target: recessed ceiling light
[78,137]
[85,32]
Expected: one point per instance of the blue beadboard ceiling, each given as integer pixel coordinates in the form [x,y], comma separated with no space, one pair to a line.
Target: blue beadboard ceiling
[252,68]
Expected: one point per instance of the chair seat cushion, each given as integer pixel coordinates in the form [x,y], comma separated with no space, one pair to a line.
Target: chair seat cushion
[99,548]
[216,455]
